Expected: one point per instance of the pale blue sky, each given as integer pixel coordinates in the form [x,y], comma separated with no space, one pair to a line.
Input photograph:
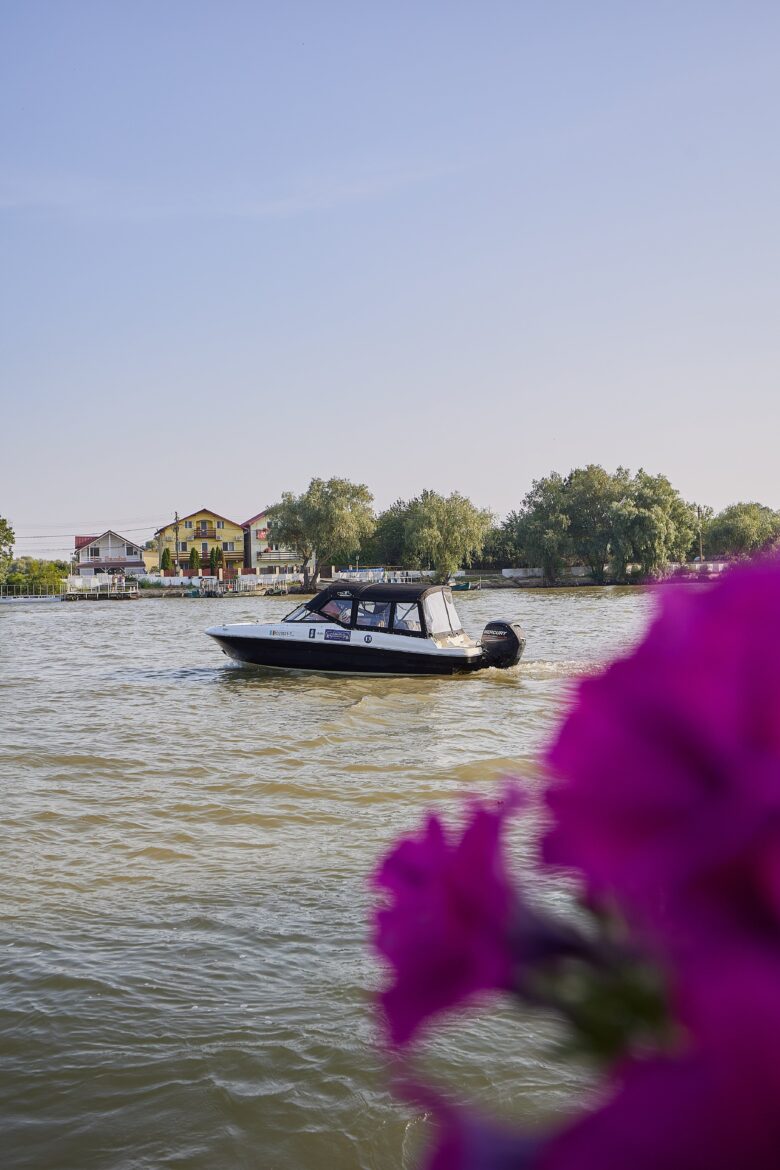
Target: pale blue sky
[438,245]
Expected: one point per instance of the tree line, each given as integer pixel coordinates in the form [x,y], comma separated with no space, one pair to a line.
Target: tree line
[621,526]
[333,522]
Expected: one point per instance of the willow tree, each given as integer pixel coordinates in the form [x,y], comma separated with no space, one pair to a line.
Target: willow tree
[446,532]
[593,500]
[665,526]
[330,521]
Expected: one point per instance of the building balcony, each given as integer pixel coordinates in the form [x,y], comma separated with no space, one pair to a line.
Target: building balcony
[280,555]
[112,559]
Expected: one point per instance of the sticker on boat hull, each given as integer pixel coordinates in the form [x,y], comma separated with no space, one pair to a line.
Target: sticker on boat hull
[337,636]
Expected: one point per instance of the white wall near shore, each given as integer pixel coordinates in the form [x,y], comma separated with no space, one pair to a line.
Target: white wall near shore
[242,584]
[583,571]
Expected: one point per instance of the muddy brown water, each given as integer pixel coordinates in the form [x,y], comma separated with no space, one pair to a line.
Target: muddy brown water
[184,854]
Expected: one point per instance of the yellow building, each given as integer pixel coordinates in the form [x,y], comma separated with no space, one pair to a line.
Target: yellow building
[202,530]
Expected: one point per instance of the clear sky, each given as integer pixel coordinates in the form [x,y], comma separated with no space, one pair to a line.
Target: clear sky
[437,244]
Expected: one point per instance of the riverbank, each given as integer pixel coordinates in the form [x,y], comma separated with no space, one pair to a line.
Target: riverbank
[522,585]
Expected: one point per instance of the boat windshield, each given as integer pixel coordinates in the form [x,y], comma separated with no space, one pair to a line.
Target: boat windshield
[441,617]
[304,614]
[455,622]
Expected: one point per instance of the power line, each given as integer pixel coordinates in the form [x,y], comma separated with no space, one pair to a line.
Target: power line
[67,524]
[62,535]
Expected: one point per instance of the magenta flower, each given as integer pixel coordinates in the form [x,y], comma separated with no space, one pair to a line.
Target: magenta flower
[446,931]
[712,1108]
[668,767]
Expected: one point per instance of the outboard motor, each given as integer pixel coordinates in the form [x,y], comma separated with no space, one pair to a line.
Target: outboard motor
[502,643]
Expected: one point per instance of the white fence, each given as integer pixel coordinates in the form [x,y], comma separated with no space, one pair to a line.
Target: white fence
[367,575]
[706,568]
[244,583]
[98,582]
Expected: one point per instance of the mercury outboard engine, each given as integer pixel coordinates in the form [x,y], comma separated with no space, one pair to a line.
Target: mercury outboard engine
[502,643]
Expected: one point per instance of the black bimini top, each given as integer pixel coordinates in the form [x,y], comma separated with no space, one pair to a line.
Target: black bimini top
[374,591]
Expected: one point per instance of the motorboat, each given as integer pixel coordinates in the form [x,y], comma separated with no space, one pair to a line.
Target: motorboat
[373,629]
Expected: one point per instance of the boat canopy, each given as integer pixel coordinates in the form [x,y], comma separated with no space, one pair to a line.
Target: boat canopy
[375,591]
[416,610]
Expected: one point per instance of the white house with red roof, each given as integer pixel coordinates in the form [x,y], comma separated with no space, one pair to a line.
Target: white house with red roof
[107,553]
[262,552]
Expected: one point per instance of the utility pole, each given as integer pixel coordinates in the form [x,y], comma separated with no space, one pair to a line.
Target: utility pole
[176,534]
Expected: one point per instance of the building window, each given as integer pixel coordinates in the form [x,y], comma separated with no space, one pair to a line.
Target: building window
[182,546]
[94,552]
[220,523]
[204,548]
[228,546]
[130,551]
[188,524]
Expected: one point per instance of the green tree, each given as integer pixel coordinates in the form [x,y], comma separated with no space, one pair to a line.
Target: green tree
[541,526]
[7,539]
[31,573]
[445,532]
[330,521]
[165,559]
[194,559]
[590,496]
[741,529]
[385,546]
[623,524]
[216,559]
[500,550]
[664,525]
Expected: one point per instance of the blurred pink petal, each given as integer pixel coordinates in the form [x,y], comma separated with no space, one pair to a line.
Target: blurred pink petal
[446,931]
[715,1107]
[668,768]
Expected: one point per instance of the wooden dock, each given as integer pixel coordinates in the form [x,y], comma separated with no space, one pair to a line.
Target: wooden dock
[103,593]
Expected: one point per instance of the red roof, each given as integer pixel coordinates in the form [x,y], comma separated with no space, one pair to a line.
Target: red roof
[248,523]
[82,540]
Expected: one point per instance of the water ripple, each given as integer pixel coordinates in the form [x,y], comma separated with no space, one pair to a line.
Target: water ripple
[185,851]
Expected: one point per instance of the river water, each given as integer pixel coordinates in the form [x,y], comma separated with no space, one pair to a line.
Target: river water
[184,851]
